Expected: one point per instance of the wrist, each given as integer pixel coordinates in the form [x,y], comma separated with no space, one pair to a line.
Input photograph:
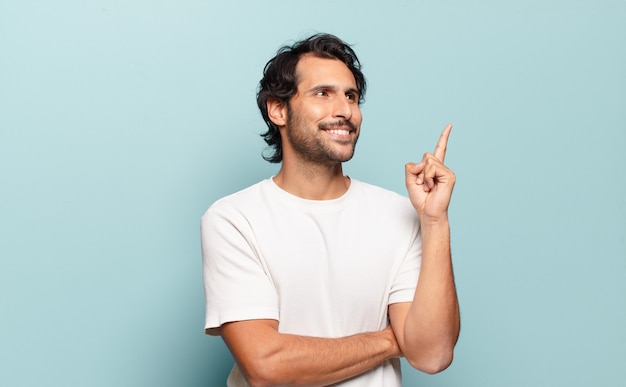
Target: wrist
[440,221]
[392,348]
[434,230]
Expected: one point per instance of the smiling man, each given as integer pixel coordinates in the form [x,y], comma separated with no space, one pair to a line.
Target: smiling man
[314,278]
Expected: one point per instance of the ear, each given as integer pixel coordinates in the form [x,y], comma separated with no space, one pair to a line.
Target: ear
[277,111]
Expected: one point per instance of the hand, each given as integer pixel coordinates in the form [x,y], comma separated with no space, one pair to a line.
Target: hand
[430,182]
[397,352]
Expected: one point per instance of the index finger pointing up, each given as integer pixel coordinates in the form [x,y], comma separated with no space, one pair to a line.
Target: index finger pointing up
[442,144]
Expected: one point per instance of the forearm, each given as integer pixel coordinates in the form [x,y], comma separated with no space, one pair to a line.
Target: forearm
[432,322]
[428,327]
[283,359]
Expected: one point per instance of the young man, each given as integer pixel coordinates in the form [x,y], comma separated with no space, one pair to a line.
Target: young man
[311,277]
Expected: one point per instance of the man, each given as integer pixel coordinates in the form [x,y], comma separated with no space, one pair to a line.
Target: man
[311,277]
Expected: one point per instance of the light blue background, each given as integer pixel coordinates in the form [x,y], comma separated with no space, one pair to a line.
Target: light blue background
[122,121]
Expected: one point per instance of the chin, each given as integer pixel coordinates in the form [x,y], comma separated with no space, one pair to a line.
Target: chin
[345,157]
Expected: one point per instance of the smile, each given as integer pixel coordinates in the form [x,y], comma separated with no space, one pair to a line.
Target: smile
[341,129]
[339,132]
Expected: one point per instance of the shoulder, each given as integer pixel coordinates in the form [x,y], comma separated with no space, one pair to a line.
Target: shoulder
[240,202]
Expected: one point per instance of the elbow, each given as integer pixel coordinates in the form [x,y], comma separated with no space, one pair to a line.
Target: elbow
[257,378]
[433,363]
[260,374]
[259,383]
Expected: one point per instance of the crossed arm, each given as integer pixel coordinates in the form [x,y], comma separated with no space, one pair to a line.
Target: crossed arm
[268,358]
[424,331]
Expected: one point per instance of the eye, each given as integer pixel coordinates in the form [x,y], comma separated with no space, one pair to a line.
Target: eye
[321,93]
[352,96]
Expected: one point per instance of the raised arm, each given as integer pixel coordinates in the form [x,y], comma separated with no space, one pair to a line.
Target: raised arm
[267,357]
[428,327]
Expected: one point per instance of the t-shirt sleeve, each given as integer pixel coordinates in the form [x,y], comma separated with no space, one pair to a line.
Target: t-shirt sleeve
[405,281]
[236,283]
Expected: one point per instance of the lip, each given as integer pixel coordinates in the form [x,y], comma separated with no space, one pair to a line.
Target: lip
[340,131]
[340,124]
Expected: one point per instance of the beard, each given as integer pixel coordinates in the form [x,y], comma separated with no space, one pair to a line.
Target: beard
[312,143]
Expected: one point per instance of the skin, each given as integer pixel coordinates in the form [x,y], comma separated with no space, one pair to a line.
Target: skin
[427,328]
[319,129]
[326,95]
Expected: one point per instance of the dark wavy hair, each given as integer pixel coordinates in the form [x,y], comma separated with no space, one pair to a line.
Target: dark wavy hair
[279,80]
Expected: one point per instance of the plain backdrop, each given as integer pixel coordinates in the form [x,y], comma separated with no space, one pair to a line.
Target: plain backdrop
[122,121]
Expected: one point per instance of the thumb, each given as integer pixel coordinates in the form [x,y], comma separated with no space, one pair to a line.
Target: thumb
[413,173]
[413,169]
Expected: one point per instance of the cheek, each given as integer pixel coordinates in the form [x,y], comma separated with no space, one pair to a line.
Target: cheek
[313,113]
[357,117]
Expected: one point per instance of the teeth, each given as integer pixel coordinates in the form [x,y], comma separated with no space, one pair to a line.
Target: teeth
[339,132]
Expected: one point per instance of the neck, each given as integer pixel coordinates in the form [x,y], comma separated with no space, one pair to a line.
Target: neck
[313,182]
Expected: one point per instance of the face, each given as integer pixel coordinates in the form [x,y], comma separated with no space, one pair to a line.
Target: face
[323,117]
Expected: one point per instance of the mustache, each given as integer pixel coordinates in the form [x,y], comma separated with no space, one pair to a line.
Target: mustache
[337,124]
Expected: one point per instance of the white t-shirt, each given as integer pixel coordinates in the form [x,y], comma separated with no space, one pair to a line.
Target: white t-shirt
[325,268]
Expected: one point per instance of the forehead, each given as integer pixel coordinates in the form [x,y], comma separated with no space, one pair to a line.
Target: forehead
[312,70]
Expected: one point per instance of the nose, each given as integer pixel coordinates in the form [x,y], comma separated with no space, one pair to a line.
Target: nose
[342,108]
